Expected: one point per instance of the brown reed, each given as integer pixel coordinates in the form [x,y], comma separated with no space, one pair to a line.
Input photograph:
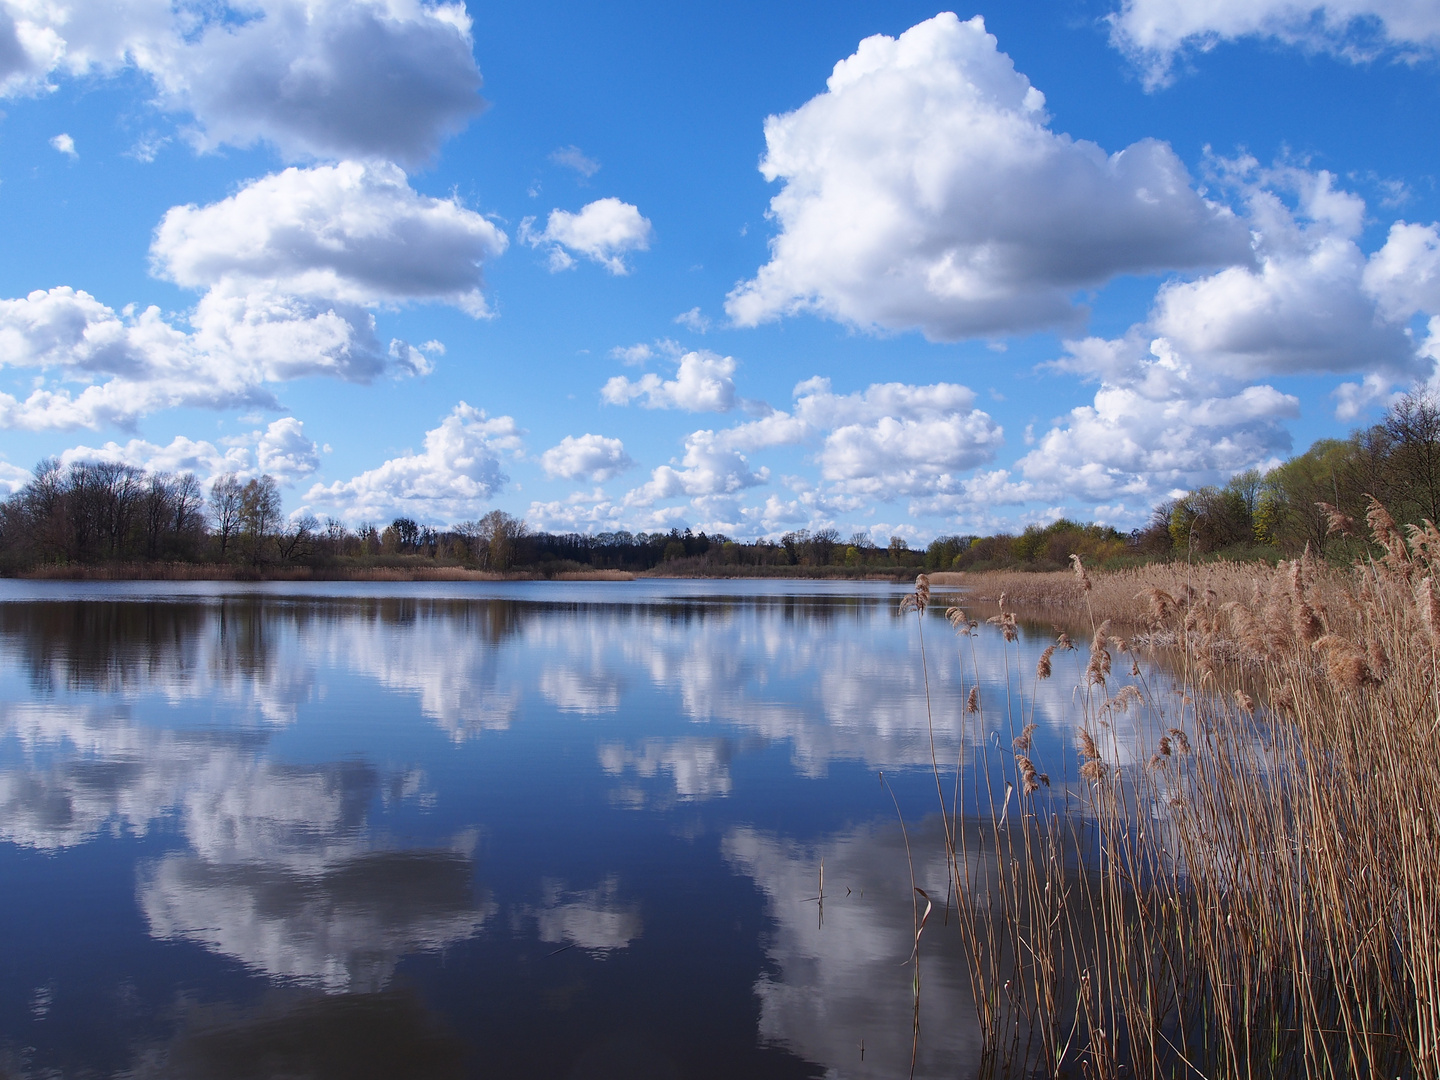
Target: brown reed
[1259,895]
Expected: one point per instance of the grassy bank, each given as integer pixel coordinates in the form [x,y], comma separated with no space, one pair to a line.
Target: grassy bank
[1211,882]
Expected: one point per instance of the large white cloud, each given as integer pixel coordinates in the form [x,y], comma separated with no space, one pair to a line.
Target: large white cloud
[591,456]
[1313,303]
[450,480]
[1129,444]
[150,364]
[291,264]
[354,233]
[1153,32]
[1180,403]
[315,78]
[925,189]
[704,382]
[604,231]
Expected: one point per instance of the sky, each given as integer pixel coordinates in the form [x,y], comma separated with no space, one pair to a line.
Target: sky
[739,268]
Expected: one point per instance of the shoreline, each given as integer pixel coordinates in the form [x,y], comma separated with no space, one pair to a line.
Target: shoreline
[229,572]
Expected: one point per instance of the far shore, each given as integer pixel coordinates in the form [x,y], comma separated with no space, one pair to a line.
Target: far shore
[182,571]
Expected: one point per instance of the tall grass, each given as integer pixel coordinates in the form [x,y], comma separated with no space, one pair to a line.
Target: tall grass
[1253,887]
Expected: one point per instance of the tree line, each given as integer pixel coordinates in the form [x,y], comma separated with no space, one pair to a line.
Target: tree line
[87,512]
[1311,500]
[90,512]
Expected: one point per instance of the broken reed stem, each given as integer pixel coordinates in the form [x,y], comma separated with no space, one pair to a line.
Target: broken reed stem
[1254,887]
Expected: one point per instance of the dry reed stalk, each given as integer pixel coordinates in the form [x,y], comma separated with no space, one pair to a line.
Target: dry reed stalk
[1260,894]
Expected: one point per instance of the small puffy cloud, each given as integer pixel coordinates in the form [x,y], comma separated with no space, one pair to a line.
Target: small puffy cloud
[886,441]
[275,336]
[593,457]
[693,320]
[355,233]
[284,452]
[776,429]
[1155,32]
[12,478]
[572,157]
[582,511]
[448,481]
[709,469]
[704,382]
[604,231]
[1303,313]
[633,355]
[1353,398]
[1404,275]
[924,189]
[897,439]
[65,145]
[315,78]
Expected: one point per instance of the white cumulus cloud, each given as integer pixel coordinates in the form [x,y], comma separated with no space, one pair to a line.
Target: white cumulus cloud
[1404,275]
[315,78]
[1179,403]
[284,452]
[924,189]
[604,231]
[1312,304]
[594,457]
[65,145]
[12,478]
[291,265]
[1154,32]
[354,233]
[704,382]
[710,473]
[281,449]
[896,439]
[450,480]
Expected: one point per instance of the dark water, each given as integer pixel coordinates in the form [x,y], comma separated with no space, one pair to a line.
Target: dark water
[535,830]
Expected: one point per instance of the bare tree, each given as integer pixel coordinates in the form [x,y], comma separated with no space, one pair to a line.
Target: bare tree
[186,501]
[158,504]
[298,541]
[1413,426]
[259,514]
[225,499]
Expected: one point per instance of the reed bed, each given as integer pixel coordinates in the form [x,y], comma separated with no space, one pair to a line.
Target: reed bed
[1254,889]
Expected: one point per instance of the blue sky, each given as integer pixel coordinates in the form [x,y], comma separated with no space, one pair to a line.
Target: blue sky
[732,267]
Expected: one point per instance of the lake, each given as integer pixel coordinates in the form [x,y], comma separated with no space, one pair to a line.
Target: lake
[514,829]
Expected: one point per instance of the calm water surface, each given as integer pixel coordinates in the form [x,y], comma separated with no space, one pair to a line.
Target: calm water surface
[441,830]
